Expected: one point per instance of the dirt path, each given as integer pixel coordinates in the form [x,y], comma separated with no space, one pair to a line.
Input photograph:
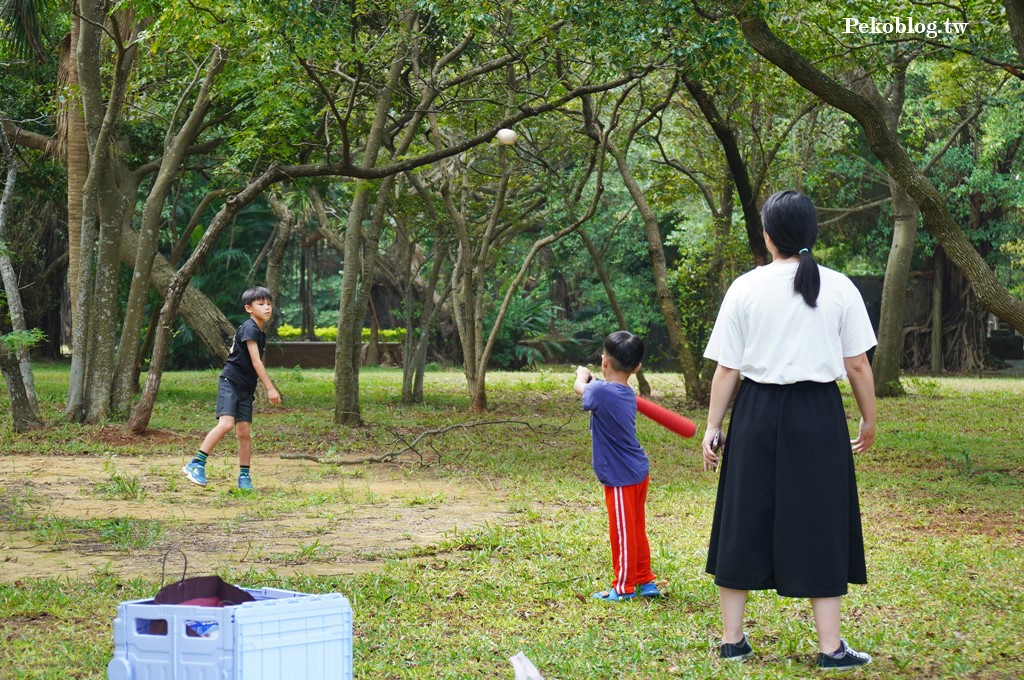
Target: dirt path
[71,515]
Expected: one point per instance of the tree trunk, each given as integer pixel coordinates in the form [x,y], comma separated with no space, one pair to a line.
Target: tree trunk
[1015,19]
[205,319]
[101,201]
[937,364]
[283,234]
[695,389]
[308,324]
[889,353]
[10,279]
[408,302]
[178,287]
[76,403]
[174,148]
[962,327]
[469,284]
[737,169]
[22,413]
[613,300]
[346,350]
[116,210]
[886,362]
[992,295]
[77,162]
[414,357]
[346,353]
[87,61]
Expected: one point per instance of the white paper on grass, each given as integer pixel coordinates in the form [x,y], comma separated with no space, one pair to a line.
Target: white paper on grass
[524,668]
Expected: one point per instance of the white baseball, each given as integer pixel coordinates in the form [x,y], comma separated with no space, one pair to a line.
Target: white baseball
[506,136]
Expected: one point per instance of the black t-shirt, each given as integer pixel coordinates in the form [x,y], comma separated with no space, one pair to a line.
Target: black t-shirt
[238,368]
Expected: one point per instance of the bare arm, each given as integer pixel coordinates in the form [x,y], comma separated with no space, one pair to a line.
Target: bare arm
[862,380]
[723,388]
[583,376]
[257,363]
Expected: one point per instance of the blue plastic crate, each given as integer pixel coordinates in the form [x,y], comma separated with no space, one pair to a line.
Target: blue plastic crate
[283,634]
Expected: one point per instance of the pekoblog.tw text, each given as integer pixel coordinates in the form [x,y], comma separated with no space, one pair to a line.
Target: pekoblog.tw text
[904,26]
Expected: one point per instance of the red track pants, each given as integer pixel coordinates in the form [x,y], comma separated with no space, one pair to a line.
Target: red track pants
[627,529]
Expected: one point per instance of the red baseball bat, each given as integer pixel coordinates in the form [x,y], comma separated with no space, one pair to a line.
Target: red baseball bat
[665,418]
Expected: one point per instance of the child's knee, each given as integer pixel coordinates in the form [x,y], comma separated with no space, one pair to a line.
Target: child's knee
[243,430]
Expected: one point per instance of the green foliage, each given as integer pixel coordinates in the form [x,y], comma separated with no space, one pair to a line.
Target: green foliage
[126,533]
[287,59]
[120,484]
[15,341]
[528,335]
[1015,252]
[616,230]
[22,24]
[123,533]
[705,266]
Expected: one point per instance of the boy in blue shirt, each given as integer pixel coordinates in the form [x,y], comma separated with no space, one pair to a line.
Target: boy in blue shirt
[620,464]
[237,387]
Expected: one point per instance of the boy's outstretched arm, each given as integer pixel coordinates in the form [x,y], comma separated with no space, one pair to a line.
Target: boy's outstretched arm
[583,376]
[257,363]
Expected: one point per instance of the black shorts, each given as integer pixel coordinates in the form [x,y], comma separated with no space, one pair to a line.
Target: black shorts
[233,401]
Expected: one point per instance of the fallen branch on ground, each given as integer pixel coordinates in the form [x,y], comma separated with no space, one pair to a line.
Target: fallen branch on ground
[411,446]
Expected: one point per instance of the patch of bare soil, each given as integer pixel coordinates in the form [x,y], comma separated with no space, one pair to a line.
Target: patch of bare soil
[960,521]
[119,436]
[304,518]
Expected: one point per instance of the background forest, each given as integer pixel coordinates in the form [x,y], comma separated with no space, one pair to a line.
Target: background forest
[159,157]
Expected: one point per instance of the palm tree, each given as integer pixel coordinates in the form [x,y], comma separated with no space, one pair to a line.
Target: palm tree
[22,27]
[23,37]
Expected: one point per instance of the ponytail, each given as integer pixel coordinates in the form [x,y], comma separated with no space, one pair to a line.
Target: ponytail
[790,219]
[807,280]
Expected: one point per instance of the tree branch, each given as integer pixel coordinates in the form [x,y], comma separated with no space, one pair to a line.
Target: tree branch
[411,446]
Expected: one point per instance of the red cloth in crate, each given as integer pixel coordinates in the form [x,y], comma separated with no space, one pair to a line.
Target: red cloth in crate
[202,591]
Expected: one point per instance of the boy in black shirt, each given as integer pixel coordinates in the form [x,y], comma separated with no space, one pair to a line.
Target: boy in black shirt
[237,387]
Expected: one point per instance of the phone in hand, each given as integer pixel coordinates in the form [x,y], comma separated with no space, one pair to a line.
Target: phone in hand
[716,443]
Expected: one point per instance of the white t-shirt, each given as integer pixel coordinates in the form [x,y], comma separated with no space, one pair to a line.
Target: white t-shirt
[767,331]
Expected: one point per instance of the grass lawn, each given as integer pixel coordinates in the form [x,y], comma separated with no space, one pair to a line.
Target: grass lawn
[489,540]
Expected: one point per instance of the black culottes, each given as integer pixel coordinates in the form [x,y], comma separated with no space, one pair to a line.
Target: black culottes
[787,516]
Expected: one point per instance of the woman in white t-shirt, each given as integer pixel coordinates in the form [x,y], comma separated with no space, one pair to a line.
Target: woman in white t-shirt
[787,516]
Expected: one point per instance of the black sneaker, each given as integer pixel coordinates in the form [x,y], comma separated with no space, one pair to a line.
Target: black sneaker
[843,659]
[738,652]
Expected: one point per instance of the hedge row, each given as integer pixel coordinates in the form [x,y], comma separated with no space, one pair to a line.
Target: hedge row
[330,333]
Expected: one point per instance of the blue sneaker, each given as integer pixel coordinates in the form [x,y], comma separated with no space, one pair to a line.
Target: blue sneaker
[650,589]
[244,482]
[613,596]
[196,473]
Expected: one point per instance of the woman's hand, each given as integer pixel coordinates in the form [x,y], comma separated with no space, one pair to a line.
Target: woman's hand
[713,439]
[865,437]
